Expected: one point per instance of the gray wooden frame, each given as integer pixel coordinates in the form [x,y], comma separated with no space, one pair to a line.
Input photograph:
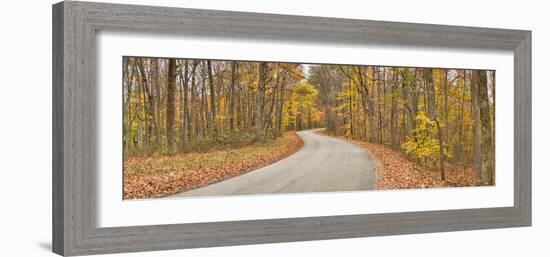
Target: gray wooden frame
[74,128]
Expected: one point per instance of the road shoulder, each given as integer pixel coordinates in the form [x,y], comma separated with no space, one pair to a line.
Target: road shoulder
[166,175]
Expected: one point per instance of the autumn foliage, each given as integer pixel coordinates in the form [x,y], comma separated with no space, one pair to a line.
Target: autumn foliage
[191,122]
[395,171]
[421,145]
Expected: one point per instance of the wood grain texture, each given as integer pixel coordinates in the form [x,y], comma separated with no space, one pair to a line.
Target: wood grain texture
[522,128]
[74,124]
[58,229]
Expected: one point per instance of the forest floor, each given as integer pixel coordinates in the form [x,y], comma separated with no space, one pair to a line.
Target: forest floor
[395,171]
[162,175]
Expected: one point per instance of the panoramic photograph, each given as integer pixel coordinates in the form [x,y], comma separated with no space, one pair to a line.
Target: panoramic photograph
[198,127]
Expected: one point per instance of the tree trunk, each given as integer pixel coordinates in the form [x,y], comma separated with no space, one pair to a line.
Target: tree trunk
[372,129]
[234,73]
[182,79]
[127,105]
[369,96]
[407,103]
[441,150]
[186,116]
[171,105]
[280,109]
[476,128]
[212,117]
[156,92]
[157,107]
[432,112]
[147,100]
[260,102]
[415,98]
[460,143]
[379,105]
[203,102]
[430,93]
[485,118]
[239,107]
[142,114]
[393,123]
[193,108]
[350,109]
[445,106]
[249,109]
[269,117]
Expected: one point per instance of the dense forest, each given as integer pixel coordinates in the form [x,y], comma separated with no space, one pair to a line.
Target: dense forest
[433,116]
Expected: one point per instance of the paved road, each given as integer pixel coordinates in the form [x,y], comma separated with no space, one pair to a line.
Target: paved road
[324,164]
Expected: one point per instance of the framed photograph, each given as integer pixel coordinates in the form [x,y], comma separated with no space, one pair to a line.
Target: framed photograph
[183,128]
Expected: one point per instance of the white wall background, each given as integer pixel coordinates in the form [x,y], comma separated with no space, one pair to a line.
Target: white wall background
[25,127]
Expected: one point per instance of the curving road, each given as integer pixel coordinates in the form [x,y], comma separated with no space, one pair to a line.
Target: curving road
[324,164]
